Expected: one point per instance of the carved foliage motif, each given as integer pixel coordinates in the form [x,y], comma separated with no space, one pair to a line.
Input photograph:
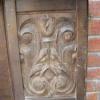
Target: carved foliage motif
[48,53]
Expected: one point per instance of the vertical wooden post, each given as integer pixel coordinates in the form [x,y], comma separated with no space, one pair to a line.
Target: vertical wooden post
[5,78]
[82,31]
[13,50]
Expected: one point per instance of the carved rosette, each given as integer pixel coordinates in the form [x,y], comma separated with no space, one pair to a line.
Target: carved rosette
[48,53]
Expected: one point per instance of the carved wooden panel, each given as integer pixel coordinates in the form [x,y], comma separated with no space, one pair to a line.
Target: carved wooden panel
[48,52]
[47,48]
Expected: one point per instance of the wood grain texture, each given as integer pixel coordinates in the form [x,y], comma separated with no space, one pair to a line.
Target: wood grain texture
[5,77]
[82,31]
[44,5]
[13,51]
[27,8]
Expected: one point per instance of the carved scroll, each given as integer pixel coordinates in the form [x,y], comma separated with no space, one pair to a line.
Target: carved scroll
[48,55]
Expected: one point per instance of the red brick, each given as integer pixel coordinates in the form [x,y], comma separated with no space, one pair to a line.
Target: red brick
[93,60]
[94,26]
[93,73]
[90,86]
[94,44]
[98,85]
[91,96]
[94,8]
[93,85]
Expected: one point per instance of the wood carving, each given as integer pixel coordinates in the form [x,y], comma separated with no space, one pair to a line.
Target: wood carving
[48,55]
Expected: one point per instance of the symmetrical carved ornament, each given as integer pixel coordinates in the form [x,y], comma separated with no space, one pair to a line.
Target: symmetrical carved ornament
[48,55]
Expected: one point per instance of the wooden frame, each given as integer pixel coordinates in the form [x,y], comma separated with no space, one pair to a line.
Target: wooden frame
[6,92]
[13,49]
[82,11]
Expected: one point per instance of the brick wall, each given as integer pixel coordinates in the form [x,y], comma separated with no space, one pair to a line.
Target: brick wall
[93,74]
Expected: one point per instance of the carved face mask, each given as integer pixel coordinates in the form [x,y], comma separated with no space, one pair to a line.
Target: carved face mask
[67,33]
[27,38]
[67,36]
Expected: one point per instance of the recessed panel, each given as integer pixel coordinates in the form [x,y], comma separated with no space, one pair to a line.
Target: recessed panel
[47,43]
[45,5]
